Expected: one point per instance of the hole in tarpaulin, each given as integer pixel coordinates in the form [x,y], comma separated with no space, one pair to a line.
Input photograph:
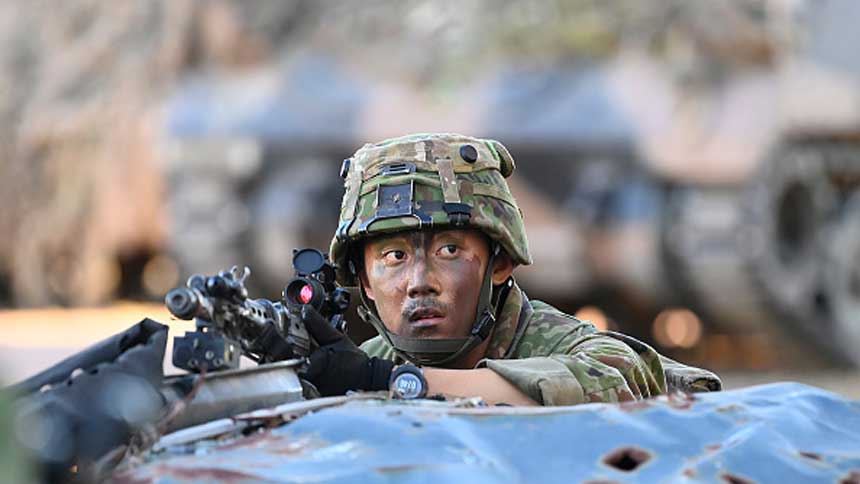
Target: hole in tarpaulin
[810,455]
[627,459]
[734,479]
[852,478]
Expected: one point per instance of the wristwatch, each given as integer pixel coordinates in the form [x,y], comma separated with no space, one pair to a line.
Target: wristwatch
[407,382]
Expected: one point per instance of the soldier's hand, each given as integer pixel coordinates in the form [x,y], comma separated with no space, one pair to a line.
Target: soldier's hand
[338,365]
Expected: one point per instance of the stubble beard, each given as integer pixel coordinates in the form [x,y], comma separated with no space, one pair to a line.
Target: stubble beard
[407,329]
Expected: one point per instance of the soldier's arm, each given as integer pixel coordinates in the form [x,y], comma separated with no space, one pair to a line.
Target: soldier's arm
[582,367]
[481,382]
[600,367]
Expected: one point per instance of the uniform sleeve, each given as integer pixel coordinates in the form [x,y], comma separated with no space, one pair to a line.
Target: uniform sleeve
[600,367]
[377,347]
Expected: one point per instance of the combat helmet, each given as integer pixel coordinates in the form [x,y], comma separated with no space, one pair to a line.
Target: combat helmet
[425,181]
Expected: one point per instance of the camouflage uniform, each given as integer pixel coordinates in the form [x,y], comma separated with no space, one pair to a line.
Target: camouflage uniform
[444,181]
[557,359]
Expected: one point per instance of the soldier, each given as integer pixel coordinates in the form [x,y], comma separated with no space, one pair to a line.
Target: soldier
[430,234]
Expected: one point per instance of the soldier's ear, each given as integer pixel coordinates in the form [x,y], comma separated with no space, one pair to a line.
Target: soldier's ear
[502,268]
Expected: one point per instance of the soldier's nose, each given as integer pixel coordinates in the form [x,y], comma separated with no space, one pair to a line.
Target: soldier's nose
[421,282]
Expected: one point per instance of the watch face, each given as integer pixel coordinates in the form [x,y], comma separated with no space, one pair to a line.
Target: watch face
[408,385]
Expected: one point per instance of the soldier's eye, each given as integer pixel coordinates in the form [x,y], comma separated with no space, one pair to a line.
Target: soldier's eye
[394,255]
[448,249]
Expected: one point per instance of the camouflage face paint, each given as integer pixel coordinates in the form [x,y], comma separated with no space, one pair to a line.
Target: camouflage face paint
[426,284]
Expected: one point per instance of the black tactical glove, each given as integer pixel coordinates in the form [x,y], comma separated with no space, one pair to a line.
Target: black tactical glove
[338,365]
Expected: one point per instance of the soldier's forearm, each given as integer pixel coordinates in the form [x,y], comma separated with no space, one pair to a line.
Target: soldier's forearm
[482,382]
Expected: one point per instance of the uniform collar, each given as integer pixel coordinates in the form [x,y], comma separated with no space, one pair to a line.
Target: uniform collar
[509,325]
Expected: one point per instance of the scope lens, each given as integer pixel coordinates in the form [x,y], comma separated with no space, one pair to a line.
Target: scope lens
[306,294]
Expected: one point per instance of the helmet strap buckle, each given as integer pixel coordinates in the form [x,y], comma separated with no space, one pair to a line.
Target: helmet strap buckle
[484,324]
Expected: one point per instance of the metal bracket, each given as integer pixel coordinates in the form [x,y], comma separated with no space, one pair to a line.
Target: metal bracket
[404,168]
[458,213]
[396,201]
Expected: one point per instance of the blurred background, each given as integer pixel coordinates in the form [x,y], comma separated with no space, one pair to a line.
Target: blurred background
[689,171]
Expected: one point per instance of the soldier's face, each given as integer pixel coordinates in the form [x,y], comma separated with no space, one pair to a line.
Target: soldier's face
[426,284]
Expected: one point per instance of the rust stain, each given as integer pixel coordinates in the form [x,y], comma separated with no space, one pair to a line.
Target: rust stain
[735,479]
[399,469]
[729,408]
[680,400]
[225,476]
[289,449]
[125,477]
[713,447]
[635,406]
[254,440]
[852,478]
[810,455]
[270,444]
[690,473]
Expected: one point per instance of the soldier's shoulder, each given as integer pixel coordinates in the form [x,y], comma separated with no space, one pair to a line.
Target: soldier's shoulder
[547,314]
[546,319]
[550,329]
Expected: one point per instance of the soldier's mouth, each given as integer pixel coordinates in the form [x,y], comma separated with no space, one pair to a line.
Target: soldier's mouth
[424,317]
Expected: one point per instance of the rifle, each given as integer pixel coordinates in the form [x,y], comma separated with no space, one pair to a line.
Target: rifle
[229,324]
[98,399]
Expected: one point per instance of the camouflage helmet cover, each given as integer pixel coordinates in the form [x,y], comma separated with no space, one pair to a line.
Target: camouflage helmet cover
[428,181]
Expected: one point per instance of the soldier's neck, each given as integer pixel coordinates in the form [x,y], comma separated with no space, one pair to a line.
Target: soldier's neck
[470,359]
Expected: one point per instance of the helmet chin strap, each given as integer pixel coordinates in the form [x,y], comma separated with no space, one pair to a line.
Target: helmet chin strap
[439,351]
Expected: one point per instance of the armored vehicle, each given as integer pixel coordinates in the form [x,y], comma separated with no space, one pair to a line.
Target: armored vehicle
[744,163]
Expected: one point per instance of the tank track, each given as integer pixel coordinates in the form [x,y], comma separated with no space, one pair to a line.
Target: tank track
[778,255]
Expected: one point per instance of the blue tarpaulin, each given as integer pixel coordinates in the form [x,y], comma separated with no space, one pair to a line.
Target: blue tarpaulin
[784,432]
